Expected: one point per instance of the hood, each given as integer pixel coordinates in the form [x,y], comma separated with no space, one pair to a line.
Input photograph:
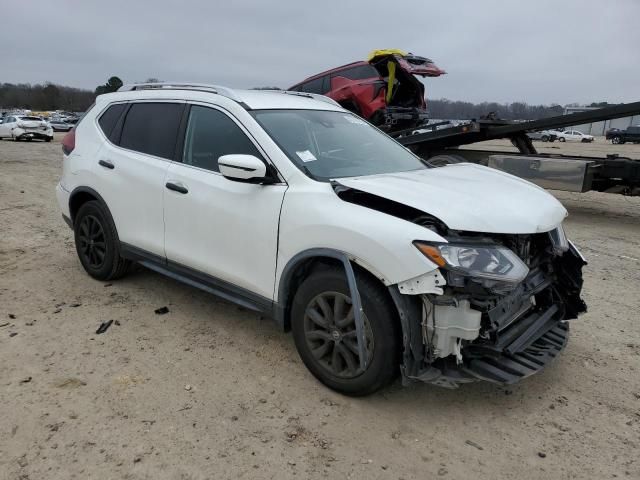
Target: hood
[469,197]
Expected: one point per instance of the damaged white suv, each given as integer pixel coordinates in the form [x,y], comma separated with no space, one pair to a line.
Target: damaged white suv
[287,204]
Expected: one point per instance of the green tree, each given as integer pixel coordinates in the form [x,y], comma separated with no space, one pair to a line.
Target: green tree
[112,85]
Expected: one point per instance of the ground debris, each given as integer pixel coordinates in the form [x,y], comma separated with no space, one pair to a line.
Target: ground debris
[474,444]
[161,310]
[71,383]
[103,327]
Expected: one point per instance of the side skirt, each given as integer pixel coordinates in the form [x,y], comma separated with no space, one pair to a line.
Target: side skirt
[195,278]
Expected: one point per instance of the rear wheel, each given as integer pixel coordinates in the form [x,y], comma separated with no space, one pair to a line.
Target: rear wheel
[616,140]
[48,139]
[324,330]
[562,139]
[97,242]
[545,138]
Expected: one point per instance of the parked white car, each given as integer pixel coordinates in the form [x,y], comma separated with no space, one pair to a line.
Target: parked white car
[24,127]
[60,124]
[287,204]
[573,136]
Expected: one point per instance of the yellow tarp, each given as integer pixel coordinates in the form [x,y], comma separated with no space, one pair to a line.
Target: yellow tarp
[387,51]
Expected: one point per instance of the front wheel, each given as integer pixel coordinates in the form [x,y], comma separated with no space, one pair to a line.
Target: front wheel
[562,139]
[97,242]
[324,331]
[545,138]
[616,140]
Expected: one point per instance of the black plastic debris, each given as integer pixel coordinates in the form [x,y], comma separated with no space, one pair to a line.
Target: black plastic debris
[161,310]
[103,327]
[26,380]
[75,305]
[12,316]
[13,334]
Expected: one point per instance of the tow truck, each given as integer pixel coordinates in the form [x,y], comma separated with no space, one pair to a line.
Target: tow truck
[438,143]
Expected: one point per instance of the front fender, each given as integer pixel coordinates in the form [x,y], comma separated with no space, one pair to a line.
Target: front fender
[380,243]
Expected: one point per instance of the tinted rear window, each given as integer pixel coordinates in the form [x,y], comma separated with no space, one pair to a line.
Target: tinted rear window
[152,128]
[37,119]
[109,118]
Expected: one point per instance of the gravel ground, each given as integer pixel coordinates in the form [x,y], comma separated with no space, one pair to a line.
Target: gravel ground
[210,390]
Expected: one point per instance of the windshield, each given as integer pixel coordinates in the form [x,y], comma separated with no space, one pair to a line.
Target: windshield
[328,144]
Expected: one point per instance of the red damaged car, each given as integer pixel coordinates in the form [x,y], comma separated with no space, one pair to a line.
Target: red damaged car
[384,89]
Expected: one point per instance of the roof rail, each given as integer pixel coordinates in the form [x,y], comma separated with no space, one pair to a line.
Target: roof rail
[315,96]
[201,87]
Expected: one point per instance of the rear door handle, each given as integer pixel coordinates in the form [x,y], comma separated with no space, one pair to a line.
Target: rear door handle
[106,164]
[177,187]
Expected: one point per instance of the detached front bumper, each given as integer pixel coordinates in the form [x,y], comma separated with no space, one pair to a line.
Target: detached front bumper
[454,339]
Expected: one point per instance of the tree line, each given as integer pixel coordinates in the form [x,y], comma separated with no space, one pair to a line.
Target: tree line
[458,110]
[49,96]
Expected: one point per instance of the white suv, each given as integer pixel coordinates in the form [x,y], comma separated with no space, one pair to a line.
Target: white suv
[287,204]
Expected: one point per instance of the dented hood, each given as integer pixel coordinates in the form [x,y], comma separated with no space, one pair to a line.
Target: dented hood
[469,197]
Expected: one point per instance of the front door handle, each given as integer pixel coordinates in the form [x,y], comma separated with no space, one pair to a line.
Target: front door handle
[177,187]
[106,164]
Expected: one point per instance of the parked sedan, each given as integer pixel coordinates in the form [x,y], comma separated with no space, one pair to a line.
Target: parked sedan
[23,127]
[544,135]
[573,136]
[60,124]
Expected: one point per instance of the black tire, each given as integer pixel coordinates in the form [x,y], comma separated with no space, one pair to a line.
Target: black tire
[48,139]
[545,138]
[97,243]
[617,140]
[382,327]
[562,139]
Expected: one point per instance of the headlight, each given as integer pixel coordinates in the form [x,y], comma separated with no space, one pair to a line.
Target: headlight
[559,240]
[491,262]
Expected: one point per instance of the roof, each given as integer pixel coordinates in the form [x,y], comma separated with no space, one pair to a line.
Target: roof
[250,99]
[336,69]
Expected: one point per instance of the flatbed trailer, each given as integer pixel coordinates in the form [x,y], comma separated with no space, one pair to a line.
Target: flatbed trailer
[614,174]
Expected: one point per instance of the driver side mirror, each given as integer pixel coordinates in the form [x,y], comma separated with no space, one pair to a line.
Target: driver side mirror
[243,168]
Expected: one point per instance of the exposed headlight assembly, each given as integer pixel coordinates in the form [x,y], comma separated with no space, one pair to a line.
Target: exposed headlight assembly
[491,262]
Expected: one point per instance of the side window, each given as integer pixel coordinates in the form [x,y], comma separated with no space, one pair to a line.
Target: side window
[152,128]
[313,86]
[211,134]
[358,73]
[109,118]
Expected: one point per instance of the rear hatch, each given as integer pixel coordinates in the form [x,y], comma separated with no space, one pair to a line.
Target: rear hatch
[399,69]
[32,123]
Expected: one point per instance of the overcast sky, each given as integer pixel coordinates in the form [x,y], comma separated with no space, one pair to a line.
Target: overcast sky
[541,51]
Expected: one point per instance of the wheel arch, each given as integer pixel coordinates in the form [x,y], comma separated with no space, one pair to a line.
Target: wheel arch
[297,270]
[81,195]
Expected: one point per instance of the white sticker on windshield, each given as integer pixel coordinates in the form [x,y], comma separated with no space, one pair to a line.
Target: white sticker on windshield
[354,119]
[306,156]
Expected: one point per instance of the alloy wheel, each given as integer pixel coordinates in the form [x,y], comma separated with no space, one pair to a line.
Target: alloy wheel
[330,334]
[92,242]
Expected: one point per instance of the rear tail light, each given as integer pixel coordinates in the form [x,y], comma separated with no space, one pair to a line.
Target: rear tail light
[69,141]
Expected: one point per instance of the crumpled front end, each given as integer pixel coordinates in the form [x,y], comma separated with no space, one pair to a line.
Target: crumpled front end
[474,329]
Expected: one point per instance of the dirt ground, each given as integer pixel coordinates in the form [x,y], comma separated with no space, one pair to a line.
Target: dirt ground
[209,390]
